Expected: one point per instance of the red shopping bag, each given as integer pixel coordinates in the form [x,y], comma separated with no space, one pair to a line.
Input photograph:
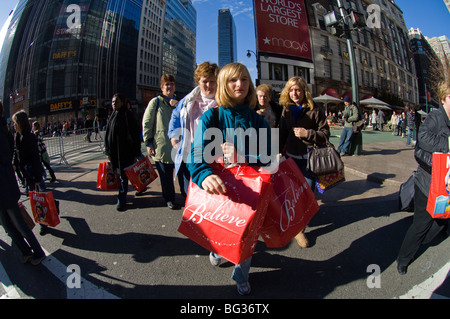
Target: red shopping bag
[107,179]
[141,174]
[291,207]
[44,207]
[438,205]
[228,224]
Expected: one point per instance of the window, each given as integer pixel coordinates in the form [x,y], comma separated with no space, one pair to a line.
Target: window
[302,72]
[278,72]
[347,77]
[327,68]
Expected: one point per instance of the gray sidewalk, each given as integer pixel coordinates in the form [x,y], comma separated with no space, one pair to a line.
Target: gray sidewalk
[386,159]
[390,163]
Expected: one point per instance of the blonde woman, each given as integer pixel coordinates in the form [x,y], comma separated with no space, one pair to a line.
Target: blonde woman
[236,98]
[302,125]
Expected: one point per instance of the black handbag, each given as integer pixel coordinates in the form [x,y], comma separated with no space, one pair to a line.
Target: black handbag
[324,160]
[406,194]
[424,158]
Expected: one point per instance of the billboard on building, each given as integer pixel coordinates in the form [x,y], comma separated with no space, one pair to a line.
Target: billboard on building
[282,28]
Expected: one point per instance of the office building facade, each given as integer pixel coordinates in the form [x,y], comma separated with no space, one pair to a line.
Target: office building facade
[64,61]
[447,3]
[441,46]
[226,30]
[385,62]
[150,48]
[60,61]
[179,47]
[429,68]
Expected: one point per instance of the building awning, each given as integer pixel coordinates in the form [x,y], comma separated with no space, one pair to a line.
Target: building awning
[331,92]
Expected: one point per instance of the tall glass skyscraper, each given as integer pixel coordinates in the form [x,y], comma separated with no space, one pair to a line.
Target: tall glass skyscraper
[61,58]
[179,44]
[227,47]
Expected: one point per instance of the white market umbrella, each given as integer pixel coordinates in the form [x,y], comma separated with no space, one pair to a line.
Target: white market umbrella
[375,104]
[326,99]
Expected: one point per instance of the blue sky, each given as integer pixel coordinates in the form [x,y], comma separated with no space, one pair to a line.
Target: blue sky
[431,17]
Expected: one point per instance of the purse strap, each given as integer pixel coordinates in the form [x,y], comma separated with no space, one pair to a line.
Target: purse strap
[327,144]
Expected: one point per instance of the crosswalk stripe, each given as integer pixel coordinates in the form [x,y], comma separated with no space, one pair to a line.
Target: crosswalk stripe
[425,290]
[10,290]
[87,290]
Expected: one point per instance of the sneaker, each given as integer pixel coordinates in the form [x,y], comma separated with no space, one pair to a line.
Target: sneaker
[172,206]
[214,260]
[244,288]
[37,260]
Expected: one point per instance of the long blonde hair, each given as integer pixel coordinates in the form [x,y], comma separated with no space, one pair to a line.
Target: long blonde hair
[443,90]
[285,99]
[228,72]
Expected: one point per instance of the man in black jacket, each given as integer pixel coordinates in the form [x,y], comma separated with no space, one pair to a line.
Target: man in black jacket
[434,136]
[122,143]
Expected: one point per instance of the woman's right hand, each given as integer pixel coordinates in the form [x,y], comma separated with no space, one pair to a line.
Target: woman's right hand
[151,150]
[213,184]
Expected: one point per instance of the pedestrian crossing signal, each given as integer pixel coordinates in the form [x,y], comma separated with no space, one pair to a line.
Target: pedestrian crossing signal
[358,20]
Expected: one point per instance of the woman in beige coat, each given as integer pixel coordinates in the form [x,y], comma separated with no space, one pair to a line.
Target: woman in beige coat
[155,125]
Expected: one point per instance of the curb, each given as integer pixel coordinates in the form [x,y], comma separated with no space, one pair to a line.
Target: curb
[373,177]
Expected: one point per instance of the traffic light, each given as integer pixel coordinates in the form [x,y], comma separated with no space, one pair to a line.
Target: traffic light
[358,19]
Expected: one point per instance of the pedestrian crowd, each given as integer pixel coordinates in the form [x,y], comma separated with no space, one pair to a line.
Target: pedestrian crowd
[174,134]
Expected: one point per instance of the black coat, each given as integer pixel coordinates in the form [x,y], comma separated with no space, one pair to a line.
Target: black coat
[9,190]
[433,138]
[123,138]
[26,156]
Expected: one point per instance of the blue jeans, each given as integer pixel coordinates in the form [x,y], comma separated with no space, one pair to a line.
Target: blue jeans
[21,235]
[240,271]
[408,136]
[344,142]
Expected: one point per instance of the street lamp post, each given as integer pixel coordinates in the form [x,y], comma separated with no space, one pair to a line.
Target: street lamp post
[343,26]
[348,21]
[351,53]
[249,55]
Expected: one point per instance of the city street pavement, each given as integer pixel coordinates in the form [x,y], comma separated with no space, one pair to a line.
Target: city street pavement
[355,238]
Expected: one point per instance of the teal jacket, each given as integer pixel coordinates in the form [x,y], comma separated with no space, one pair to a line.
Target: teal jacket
[227,130]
